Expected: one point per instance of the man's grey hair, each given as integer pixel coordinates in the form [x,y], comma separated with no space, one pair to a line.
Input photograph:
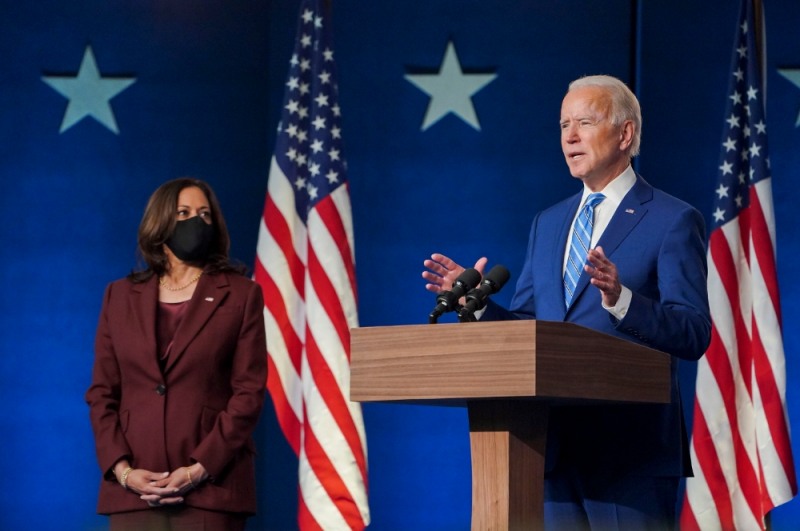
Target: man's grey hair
[624,105]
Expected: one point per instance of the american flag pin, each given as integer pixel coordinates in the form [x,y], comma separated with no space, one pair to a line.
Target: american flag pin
[629,210]
[210,299]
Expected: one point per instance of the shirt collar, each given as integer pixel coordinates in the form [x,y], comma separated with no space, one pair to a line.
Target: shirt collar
[616,189]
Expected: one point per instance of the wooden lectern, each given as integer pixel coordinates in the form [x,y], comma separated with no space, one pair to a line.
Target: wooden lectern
[508,374]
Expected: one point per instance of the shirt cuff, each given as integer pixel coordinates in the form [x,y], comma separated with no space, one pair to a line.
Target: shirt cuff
[620,310]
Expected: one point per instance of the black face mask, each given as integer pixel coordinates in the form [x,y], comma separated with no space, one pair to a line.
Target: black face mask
[191,239]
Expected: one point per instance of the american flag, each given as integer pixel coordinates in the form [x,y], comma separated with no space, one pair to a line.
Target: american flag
[741,449]
[306,268]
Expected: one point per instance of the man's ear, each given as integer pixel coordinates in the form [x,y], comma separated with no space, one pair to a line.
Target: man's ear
[626,135]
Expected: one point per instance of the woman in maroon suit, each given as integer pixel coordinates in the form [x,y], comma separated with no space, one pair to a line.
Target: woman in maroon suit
[179,374]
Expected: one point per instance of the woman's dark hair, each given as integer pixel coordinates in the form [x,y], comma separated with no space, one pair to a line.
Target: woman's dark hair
[158,223]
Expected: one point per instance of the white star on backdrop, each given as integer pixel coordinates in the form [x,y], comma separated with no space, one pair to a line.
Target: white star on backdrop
[450,90]
[793,75]
[88,93]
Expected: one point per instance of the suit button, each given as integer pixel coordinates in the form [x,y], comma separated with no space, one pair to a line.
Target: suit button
[161,390]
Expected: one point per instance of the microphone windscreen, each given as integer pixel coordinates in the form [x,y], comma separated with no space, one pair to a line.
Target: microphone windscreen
[498,275]
[469,278]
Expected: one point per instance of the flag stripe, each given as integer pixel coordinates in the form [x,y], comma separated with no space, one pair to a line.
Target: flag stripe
[328,475]
[315,493]
[274,302]
[741,452]
[335,403]
[771,373]
[717,486]
[775,419]
[289,423]
[741,445]
[333,493]
[306,267]
[305,519]
[277,221]
[765,254]
[326,291]
[329,214]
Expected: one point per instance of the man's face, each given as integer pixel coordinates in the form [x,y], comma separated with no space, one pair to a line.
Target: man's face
[594,148]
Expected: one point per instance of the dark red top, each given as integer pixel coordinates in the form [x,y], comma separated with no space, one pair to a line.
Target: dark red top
[170,315]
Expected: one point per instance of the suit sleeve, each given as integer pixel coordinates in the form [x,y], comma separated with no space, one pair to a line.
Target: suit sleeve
[103,396]
[679,323]
[234,426]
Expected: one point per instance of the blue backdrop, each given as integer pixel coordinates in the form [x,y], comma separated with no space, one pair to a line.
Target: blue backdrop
[208,86]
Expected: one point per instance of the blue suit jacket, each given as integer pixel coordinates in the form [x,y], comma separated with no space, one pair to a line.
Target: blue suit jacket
[657,243]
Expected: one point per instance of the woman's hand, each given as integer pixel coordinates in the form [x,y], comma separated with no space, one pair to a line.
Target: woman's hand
[170,489]
[143,482]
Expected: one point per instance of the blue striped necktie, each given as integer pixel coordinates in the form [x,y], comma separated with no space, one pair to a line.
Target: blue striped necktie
[579,245]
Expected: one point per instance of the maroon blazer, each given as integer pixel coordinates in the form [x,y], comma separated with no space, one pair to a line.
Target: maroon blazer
[202,407]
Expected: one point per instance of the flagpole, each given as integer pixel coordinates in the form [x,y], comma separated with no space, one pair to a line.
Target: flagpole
[761,46]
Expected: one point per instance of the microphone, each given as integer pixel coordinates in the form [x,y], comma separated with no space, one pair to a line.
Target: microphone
[447,301]
[494,280]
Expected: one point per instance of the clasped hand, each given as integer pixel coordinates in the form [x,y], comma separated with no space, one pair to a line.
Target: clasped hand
[165,488]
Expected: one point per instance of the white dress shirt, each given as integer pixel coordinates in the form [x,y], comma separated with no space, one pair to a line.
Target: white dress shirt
[614,192]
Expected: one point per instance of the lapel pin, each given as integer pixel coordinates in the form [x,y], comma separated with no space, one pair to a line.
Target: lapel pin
[210,299]
[629,210]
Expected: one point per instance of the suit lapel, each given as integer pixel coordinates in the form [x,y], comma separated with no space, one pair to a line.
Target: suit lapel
[209,294]
[144,301]
[629,213]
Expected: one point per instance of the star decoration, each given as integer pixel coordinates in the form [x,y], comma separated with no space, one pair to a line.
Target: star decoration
[88,93]
[730,144]
[451,90]
[793,75]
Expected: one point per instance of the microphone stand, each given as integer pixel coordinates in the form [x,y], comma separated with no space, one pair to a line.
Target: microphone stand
[433,318]
[466,316]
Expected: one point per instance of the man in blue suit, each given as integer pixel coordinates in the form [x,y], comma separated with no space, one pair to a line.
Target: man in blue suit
[632,266]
